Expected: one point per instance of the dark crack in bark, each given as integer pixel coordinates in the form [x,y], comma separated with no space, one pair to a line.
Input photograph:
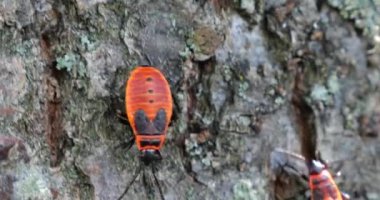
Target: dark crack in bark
[304,118]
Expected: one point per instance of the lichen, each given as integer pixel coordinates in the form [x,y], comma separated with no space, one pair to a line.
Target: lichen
[333,84]
[319,93]
[190,194]
[275,95]
[185,53]
[243,190]
[248,5]
[72,63]
[87,43]
[365,13]
[242,88]
[199,148]
[32,183]
[23,49]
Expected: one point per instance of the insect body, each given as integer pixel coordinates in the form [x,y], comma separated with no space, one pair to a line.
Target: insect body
[314,175]
[321,183]
[149,106]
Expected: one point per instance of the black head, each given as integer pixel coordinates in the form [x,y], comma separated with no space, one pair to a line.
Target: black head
[149,156]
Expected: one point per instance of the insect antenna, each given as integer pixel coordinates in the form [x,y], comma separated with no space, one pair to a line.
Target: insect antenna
[148,185]
[157,183]
[137,172]
[121,118]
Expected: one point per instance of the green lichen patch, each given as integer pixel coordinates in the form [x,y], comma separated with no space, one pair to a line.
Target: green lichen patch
[186,53]
[365,13]
[325,92]
[32,183]
[276,94]
[200,149]
[235,76]
[243,190]
[333,84]
[319,93]
[73,64]
[24,49]
[87,43]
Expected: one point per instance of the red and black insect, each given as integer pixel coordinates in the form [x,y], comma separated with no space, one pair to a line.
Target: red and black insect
[320,181]
[149,107]
[322,184]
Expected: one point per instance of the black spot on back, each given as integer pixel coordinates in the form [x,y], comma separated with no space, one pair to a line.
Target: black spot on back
[159,121]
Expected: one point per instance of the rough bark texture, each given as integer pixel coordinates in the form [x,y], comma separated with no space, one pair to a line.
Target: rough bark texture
[231,66]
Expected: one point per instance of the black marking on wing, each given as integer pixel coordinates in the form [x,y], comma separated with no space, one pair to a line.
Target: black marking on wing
[159,121]
[145,127]
[141,121]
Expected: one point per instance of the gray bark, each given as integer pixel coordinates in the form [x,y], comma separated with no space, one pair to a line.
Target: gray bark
[231,67]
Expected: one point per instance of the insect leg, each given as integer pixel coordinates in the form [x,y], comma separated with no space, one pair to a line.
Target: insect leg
[148,185]
[126,145]
[148,59]
[121,117]
[160,156]
[157,183]
[138,170]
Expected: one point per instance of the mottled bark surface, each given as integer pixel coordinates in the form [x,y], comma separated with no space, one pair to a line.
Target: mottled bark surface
[231,66]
